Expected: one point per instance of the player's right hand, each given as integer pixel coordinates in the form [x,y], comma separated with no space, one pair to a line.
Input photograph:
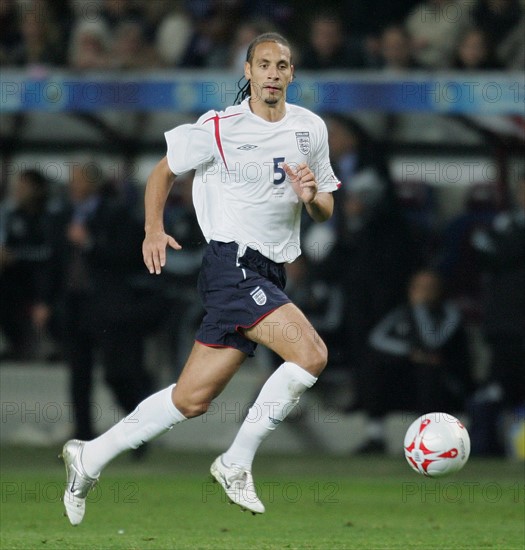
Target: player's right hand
[154,250]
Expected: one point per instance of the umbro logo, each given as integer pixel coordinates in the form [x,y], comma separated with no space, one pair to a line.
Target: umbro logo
[247,147]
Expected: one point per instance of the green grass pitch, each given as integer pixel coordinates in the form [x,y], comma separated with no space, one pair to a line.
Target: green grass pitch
[319,502]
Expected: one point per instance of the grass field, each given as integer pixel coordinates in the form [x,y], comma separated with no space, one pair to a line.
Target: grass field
[321,502]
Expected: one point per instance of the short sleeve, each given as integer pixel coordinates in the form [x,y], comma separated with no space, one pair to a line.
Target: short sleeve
[189,146]
[320,164]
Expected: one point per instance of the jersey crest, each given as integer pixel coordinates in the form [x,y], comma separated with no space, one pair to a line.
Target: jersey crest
[303,142]
[258,296]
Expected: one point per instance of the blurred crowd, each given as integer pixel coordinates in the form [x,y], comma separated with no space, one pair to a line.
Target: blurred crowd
[468,35]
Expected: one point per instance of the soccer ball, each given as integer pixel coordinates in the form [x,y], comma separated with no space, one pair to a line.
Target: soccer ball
[437,444]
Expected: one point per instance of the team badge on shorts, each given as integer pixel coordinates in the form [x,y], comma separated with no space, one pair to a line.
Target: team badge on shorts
[258,295]
[303,142]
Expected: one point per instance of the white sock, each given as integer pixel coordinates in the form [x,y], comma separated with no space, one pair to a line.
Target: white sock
[279,395]
[154,416]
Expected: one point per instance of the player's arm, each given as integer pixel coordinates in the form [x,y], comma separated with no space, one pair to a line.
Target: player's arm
[321,208]
[319,205]
[158,187]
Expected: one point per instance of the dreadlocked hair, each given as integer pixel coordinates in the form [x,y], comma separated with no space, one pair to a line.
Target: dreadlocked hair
[244,89]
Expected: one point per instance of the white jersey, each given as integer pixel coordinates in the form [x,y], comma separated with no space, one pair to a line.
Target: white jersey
[240,190]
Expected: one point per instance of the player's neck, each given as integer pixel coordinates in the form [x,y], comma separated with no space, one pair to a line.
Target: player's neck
[270,113]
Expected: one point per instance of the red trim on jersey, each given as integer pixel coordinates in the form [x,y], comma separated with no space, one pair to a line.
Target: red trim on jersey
[216,119]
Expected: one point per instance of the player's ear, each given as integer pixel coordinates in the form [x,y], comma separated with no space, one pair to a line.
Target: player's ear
[292,72]
[247,71]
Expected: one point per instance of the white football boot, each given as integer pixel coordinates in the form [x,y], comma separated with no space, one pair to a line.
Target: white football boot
[238,485]
[79,483]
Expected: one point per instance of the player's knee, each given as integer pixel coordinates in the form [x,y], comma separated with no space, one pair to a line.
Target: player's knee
[191,408]
[321,358]
[316,359]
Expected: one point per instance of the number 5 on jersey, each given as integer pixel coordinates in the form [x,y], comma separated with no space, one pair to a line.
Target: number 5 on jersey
[279,174]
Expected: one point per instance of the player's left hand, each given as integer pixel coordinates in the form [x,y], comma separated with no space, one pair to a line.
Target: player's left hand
[303,182]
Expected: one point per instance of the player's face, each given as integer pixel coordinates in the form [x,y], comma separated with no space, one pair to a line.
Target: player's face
[270,72]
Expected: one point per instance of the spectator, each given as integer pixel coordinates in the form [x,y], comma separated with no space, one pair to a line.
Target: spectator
[368,19]
[153,14]
[352,152]
[501,252]
[279,13]
[365,21]
[497,18]
[420,359]
[10,38]
[418,204]
[327,47]
[372,246]
[435,27]
[30,226]
[458,261]
[210,43]
[511,50]
[41,42]
[474,53]
[396,50]
[244,34]
[130,49]
[114,12]
[90,46]
[104,307]
[173,35]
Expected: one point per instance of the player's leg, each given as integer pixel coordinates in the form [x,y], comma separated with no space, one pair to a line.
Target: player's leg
[206,373]
[287,332]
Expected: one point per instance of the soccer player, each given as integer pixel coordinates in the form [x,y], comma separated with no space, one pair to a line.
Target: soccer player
[257,164]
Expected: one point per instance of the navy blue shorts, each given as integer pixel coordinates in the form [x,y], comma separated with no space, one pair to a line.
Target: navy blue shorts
[237,293]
